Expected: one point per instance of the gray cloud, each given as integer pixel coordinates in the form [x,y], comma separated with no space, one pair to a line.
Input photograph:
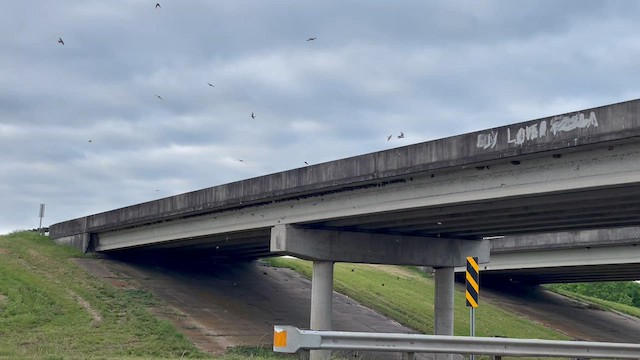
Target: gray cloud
[429,69]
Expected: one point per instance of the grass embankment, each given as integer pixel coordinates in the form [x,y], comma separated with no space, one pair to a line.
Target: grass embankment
[407,296]
[52,309]
[605,304]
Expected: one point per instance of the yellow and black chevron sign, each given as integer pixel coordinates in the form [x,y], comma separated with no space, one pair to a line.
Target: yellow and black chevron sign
[473,281]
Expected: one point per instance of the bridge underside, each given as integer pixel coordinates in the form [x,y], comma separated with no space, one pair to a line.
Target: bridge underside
[611,208]
[589,209]
[563,274]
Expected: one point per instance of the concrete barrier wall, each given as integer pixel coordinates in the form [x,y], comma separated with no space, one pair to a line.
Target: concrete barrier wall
[78,241]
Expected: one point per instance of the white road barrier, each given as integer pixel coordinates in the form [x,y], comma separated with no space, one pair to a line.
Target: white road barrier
[289,339]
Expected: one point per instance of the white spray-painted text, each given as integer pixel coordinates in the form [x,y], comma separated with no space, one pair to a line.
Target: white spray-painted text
[568,123]
[541,129]
[487,140]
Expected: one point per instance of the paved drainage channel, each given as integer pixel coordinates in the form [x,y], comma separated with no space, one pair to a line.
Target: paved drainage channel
[226,306]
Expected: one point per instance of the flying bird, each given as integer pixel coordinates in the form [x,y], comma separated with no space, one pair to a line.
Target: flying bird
[240,160]
[389,137]
[401,135]
[60,41]
[306,163]
[311,39]
[210,84]
[253,116]
[159,97]
[158,6]
[90,140]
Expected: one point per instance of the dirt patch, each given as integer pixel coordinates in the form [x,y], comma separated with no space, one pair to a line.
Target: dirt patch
[202,337]
[97,318]
[3,300]
[4,251]
[121,284]
[97,268]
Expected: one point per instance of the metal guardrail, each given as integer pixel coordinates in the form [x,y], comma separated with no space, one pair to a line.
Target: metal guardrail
[289,339]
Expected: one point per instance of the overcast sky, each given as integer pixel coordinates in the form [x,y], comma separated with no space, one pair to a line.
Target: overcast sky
[82,128]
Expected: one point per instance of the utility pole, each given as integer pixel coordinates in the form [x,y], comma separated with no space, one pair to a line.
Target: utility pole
[41,216]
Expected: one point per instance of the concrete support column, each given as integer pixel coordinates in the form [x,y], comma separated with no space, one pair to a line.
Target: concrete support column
[444,301]
[444,277]
[321,302]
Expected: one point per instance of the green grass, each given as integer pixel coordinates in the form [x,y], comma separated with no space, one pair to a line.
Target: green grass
[246,353]
[52,309]
[408,296]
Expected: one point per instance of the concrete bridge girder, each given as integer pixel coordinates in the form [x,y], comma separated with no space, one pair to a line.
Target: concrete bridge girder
[596,168]
[570,256]
[358,247]
[577,264]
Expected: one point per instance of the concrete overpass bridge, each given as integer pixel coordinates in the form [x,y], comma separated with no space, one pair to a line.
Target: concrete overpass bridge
[432,203]
[560,257]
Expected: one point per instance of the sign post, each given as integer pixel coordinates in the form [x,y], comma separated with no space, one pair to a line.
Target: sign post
[473,289]
[41,216]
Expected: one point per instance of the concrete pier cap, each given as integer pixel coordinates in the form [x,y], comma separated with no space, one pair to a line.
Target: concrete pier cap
[374,248]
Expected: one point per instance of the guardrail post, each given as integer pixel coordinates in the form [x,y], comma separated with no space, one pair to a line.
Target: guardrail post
[303,354]
[321,302]
[497,357]
[444,277]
